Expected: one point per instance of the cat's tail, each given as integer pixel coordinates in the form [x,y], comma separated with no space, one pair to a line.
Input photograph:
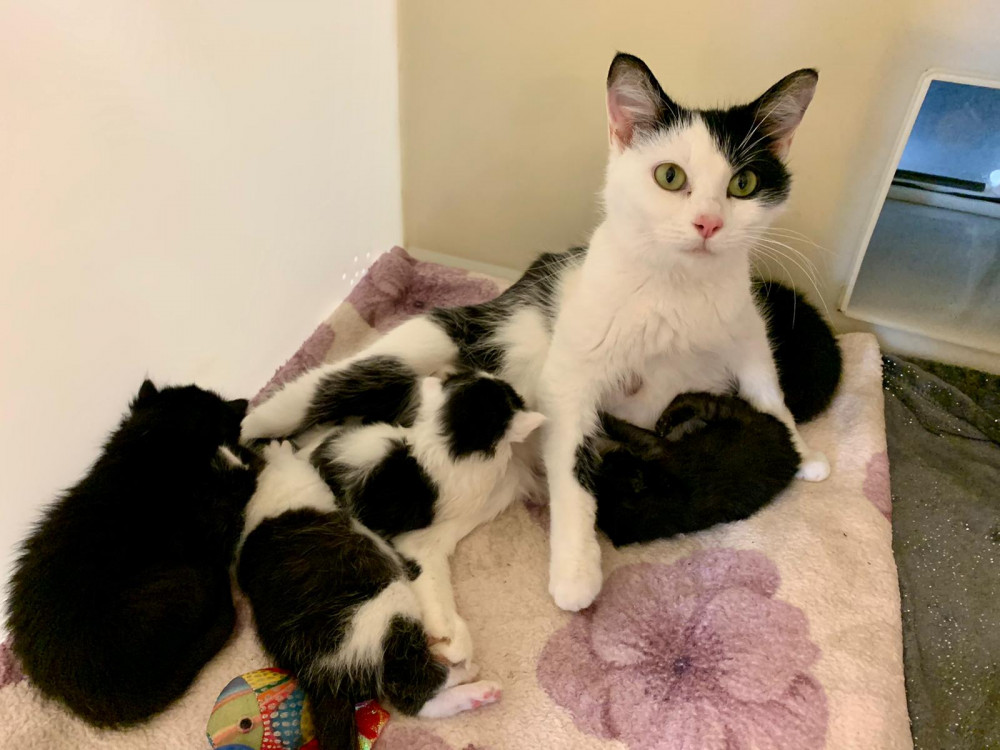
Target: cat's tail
[805,350]
[379,384]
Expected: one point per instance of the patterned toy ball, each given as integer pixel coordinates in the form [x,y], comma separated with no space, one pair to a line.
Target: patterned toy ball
[267,710]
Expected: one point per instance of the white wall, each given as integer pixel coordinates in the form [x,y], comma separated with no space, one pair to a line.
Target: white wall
[503,122]
[182,185]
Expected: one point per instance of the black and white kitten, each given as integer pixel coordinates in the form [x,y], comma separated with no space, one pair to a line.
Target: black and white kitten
[427,484]
[658,304]
[122,593]
[332,602]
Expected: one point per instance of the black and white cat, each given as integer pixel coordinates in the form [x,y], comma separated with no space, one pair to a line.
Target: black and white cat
[122,593]
[660,302]
[427,484]
[333,601]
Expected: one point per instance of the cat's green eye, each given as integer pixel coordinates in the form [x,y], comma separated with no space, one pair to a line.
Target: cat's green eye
[743,184]
[669,176]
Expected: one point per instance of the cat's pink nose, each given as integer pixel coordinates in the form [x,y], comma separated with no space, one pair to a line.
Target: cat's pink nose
[707,225]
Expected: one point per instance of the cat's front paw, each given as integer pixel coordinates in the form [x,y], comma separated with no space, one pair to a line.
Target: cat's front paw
[575,580]
[814,467]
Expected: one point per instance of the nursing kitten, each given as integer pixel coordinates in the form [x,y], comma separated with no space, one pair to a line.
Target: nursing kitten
[658,304]
[122,593]
[333,604]
[427,485]
[714,458]
[711,459]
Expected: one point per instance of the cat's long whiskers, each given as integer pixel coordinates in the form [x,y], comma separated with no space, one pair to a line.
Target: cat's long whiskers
[812,280]
[806,260]
[765,238]
[792,234]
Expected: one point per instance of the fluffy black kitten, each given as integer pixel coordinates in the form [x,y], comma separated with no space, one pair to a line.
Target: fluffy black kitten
[715,459]
[122,592]
[712,459]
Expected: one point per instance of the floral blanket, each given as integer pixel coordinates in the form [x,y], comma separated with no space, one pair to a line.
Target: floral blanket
[781,632]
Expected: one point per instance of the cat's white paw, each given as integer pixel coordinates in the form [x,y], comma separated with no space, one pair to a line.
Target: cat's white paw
[814,467]
[453,700]
[456,646]
[575,580]
[264,422]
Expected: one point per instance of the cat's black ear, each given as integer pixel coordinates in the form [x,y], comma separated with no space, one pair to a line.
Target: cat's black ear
[779,110]
[146,391]
[636,103]
[239,406]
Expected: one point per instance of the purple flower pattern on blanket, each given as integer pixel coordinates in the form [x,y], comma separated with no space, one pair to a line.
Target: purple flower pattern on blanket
[697,655]
[876,486]
[396,737]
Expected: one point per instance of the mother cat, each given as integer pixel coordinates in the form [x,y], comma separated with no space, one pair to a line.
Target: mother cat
[658,304]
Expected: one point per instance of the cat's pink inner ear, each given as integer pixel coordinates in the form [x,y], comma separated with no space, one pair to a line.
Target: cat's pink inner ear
[523,424]
[620,126]
[783,107]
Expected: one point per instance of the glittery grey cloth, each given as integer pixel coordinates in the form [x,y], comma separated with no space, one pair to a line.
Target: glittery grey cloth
[943,430]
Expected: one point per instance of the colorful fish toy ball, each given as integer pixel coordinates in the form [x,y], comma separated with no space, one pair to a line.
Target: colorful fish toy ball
[267,710]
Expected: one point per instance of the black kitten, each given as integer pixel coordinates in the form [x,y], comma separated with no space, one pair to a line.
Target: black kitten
[122,593]
[715,459]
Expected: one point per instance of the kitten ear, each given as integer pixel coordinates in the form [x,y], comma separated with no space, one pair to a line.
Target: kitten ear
[523,424]
[239,406]
[146,391]
[779,110]
[635,100]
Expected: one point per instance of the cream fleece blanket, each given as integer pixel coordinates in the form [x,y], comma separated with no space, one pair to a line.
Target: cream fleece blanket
[781,632]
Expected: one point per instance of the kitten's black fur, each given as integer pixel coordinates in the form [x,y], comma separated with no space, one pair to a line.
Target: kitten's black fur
[122,592]
[714,459]
[303,604]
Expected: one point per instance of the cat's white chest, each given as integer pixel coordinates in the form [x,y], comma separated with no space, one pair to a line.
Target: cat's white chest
[669,342]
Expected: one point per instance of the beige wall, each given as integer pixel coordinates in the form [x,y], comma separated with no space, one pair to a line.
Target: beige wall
[502,105]
[186,190]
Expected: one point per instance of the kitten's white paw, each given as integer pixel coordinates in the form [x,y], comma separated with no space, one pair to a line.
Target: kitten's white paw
[453,700]
[814,467]
[575,580]
[456,647]
[262,422]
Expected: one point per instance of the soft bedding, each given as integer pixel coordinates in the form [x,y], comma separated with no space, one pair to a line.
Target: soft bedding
[781,632]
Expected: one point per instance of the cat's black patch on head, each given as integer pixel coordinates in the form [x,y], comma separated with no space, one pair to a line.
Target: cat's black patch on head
[477,413]
[375,389]
[805,350]
[757,135]
[309,594]
[736,134]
